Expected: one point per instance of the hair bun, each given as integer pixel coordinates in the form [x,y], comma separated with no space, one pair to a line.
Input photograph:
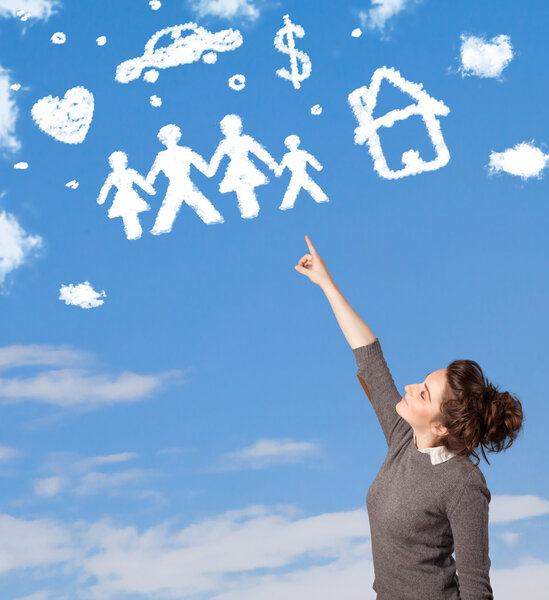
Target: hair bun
[476,413]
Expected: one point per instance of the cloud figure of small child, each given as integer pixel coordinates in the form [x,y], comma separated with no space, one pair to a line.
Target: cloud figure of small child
[127,203]
[296,161]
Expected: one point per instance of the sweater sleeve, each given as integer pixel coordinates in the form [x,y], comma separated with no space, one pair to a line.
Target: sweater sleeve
[469,524]
[377,381]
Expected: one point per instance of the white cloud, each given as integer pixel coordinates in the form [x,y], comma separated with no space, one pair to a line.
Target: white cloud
[505,508]
[8,114]
[38,9]
[7,453]
[510,538]
[381,11]
[265,453]
[524,160]
[96,482]
[48,486]
[82,295]
[226,9]
[74,387]
[485,58]
[76,476]
[109,459]
[33,543]
[16,245]
[172,450]
[255,552]
[40,354]
[42,595]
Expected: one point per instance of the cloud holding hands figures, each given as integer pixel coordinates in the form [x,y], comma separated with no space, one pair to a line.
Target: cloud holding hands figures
[485,59]
[524,160]
[241,176]
[16,245]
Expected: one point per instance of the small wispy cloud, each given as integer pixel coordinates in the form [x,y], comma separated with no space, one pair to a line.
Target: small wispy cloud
[36,9]
[16,245]
[172,450]
[71,387]
[485,58]
[19,355]
[47,487]
[226,9]
[42,595]
[108,459]
[96,481]
[381,11]
[267,452]
[7,453]
[524,160]
[8,114]
[80,477]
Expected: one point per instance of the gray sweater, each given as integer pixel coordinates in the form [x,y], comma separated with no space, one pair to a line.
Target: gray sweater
[420,512]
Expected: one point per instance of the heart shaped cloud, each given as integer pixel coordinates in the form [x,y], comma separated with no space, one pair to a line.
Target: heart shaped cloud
[67,120]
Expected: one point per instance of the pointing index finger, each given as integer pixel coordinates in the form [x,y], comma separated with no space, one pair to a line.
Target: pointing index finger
[311,247]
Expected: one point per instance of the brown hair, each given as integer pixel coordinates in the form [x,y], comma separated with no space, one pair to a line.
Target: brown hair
[475,412]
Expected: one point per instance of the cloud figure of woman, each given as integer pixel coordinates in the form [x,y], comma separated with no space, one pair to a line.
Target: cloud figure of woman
[127,203]
[241,176]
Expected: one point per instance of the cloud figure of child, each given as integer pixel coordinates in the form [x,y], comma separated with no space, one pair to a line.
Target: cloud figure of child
[296,161]
[127,203]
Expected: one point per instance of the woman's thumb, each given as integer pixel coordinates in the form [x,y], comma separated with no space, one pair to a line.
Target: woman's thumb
[302,270]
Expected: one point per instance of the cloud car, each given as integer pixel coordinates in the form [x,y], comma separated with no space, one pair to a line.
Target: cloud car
[182,50]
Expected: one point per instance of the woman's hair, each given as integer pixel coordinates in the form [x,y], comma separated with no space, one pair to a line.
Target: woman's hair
[475,412]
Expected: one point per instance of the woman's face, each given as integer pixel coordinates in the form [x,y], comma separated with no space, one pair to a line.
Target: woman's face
[420,406]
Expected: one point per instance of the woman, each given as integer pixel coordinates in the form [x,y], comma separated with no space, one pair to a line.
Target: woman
[241,176]
[428,499]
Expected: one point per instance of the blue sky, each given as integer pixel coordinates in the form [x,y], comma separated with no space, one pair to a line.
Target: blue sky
[202,433]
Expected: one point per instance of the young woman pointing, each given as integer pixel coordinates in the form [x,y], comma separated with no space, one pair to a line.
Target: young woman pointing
[428,498]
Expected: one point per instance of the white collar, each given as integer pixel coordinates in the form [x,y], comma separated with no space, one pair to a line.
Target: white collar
[439,454]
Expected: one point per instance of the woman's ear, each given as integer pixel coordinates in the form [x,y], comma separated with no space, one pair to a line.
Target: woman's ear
[440,430]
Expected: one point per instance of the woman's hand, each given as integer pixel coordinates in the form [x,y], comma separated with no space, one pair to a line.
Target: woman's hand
[313,266]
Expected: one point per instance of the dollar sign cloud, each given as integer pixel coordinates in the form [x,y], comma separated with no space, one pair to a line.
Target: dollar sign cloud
[289,31]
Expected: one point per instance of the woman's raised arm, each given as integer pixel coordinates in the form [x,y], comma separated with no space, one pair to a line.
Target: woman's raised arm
[355,330]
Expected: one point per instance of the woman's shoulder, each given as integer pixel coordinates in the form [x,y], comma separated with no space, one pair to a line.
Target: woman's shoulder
[470,479]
